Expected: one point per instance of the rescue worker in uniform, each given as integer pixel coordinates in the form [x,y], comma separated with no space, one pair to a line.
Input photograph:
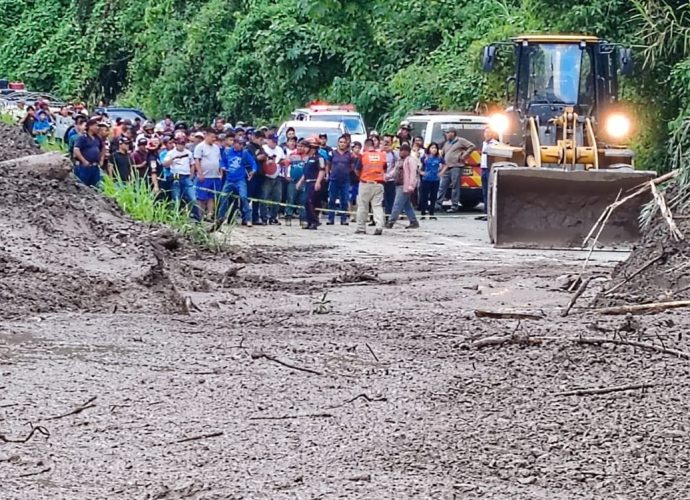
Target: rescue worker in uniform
[372,166]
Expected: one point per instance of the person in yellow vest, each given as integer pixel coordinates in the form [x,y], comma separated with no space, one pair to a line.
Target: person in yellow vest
[372,167]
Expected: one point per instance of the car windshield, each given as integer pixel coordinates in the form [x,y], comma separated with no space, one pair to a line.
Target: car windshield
[554,73]
[304,132]
[473,132]
[353,123]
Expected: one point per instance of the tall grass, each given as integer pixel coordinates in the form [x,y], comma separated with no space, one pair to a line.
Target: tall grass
[137,199]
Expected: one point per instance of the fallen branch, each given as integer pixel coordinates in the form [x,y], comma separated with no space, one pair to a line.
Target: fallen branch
[603,219]
[197,438]
[633,343]
[578,293]
[362,396]
[29,474]
[506,315]
[666,213]
[644,308]
[287,417]
[605,390]
[372,352]
[76,411]
[259,355]
[639,271]
[40,429]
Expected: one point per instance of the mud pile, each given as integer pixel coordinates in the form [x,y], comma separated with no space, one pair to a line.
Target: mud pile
[64,247]
[658,269]
[14,143]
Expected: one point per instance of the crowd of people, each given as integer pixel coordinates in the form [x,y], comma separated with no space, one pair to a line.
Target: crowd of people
[224,171]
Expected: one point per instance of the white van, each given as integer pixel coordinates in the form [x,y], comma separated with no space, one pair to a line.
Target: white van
[345,113]
[431,126]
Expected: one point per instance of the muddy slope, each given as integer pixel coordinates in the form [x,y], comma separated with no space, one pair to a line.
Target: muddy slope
[64,247]
[659,267]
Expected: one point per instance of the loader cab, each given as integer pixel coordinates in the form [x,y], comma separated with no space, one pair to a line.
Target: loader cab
[559,71]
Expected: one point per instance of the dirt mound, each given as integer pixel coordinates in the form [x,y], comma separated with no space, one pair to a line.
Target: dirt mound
[63,246]
[14,143]
[658,269]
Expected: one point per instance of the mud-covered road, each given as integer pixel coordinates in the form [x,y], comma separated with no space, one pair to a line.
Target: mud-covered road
[329,365]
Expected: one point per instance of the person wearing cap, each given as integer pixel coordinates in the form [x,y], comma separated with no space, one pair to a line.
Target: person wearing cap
[312,179]
[238,166]
[455,151]
[89,153]
[404,135]
[147,130]
[405,178]
[140,156]
[154,170]
[209,177]
[122,160]
[180,163]
[194,140]
[371,170]
[272,186]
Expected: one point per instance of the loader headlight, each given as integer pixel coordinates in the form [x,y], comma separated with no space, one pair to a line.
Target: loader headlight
[499,123]
[617,126]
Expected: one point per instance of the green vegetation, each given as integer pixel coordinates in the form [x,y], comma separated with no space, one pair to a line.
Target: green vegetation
[137,199]
[257,60]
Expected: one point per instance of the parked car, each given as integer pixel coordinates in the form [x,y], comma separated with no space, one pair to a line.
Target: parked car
[431,126]
[124,113]
[305,129]
[341,113]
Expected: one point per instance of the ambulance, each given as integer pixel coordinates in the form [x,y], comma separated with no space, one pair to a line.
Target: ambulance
[341,113]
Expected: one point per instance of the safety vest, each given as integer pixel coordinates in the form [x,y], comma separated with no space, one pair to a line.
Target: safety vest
[373,166]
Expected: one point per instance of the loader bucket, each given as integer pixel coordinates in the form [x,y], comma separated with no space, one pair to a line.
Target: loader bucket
[549,208]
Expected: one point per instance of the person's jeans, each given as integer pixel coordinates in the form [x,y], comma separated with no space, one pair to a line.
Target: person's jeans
[271,190]
[310,203]
[339,190]
[369,193]
[254,191]
[229,194]
[183,189]
[485,188]
[90,176]
[388,196]
[427,196]
[295,197]
[402,203]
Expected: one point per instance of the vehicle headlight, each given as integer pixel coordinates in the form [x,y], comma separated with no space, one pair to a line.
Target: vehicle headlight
[617,126]
[499,123]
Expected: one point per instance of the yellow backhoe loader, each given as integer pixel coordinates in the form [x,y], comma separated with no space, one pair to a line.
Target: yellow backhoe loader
[561,158]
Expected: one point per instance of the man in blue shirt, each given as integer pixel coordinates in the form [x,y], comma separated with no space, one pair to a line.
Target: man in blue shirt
[238,165]
[342,166]
[89,153]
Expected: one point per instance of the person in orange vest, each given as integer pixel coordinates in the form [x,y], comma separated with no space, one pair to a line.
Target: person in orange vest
[372,166]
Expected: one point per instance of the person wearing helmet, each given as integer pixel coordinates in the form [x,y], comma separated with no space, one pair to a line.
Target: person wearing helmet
[147,130]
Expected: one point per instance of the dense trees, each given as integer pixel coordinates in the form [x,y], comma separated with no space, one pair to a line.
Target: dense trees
[257,59]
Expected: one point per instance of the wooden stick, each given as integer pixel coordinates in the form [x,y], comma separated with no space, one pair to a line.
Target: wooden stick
[77,410]
[372,352]
[287,417]
[580,291]
[641,345]
[506,315]
[666,213]
[40,429]
[260,355]
[197,438]
[363,396]
[605,390]
[644,308]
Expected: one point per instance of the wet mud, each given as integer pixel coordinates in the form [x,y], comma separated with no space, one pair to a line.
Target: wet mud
[325,365]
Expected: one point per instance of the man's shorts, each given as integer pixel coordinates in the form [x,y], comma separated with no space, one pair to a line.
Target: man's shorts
[208,189]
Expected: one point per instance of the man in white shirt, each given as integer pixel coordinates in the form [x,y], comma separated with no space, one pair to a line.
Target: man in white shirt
[272,187]
[181,166]
[209,178]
